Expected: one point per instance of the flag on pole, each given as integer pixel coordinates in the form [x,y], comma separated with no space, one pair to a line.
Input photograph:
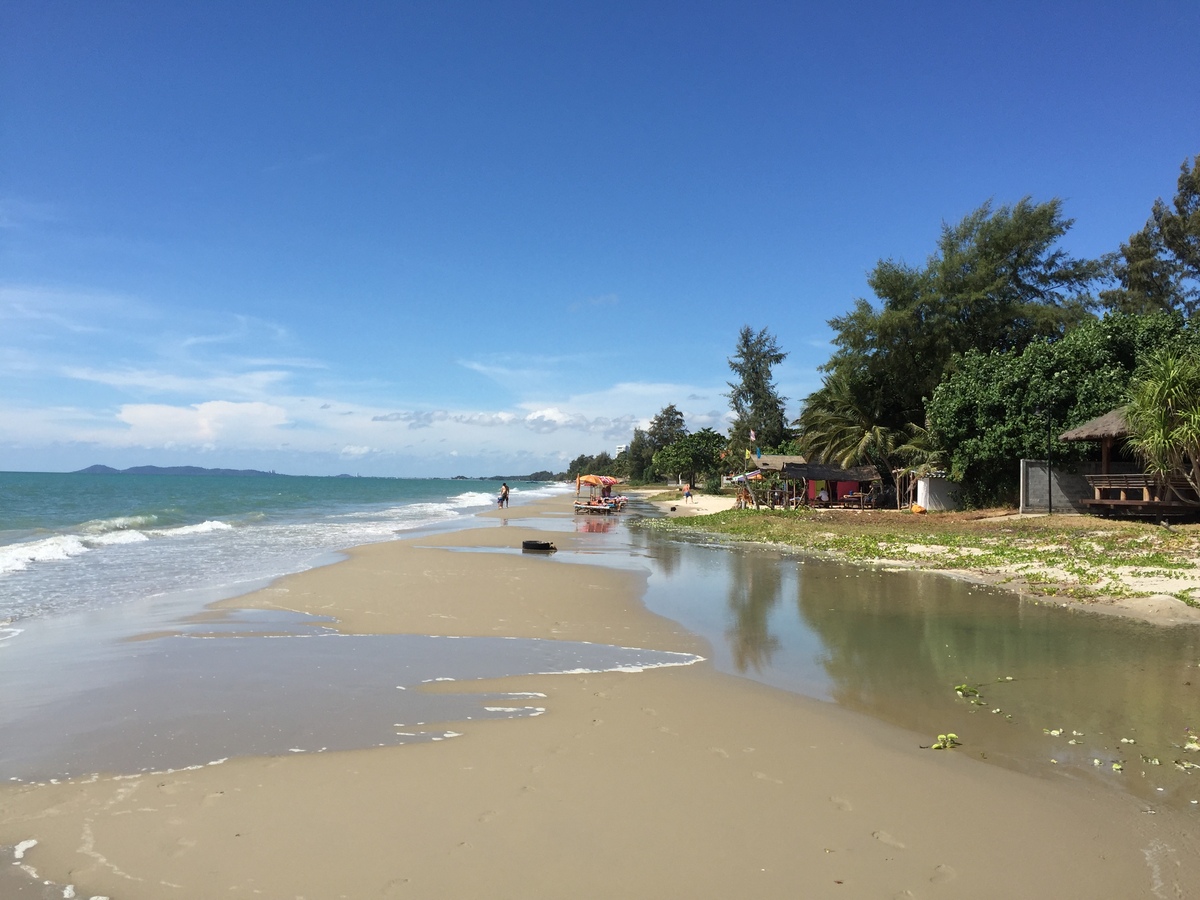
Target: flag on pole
[747,454]
[752,438]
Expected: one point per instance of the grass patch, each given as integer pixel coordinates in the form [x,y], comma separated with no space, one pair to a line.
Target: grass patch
[1077,556]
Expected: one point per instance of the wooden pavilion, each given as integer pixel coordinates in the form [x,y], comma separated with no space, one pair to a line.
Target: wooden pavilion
[1136,493]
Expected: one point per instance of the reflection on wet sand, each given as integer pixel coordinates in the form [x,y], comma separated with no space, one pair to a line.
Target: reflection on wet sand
[1060,692]
[754,591]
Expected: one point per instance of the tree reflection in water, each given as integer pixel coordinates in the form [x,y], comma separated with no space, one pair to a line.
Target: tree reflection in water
[754,591]
[895,645]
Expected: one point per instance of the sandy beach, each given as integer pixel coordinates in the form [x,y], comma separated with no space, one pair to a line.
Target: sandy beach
[671,782]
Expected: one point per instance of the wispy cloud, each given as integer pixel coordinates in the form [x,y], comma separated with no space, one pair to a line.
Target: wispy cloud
[154,381]
[244,328]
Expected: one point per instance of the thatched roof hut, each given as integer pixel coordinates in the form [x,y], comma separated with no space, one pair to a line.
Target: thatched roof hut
[1107,429]
[1111,425]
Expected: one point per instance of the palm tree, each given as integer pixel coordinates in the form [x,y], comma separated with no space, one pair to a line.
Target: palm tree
[839,426]
[1164,415]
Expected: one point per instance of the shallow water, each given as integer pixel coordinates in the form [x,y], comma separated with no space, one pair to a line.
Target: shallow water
[897,644]
[257,682]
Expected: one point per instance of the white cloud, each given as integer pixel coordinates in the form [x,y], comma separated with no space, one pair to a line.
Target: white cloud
[153,424]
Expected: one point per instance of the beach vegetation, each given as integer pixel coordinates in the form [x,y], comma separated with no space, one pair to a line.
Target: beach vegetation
[1158,268]
[978,357]
[754,399]
[697,454]
[600,464]
[997,280]
[666,428]
[946,741]
[1001,406]
[637,462]
[1067,556]
[1164,415]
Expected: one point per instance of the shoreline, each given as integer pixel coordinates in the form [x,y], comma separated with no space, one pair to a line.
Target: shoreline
[632,784]
[1149,594]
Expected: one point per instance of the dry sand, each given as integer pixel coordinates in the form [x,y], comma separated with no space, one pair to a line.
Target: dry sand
[677,782]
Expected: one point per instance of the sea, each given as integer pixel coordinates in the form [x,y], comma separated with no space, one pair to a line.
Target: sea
[76,542]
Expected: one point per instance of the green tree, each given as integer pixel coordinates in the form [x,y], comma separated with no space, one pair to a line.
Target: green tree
[667,427]
[1159,266]
[998,407]
[755,402]
[996,281]
[600,464]
[1164,414]
[839,425]
[638,459]
[694,454]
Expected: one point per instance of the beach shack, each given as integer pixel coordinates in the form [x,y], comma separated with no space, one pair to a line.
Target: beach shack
[802,482]
[845,487]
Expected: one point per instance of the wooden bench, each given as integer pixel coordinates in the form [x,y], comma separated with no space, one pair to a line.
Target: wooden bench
[1142,494]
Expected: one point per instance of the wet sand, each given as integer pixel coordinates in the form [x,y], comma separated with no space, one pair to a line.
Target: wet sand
[671,782]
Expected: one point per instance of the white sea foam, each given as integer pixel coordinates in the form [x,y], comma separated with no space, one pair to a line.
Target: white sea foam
[206,527]
[475,498]
[16,557]
[113,538]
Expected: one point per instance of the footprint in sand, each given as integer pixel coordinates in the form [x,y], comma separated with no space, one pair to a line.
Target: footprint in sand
[719,752]
[488,815]
[394,887]
[763,776]
[884,838]
[942,874]
[648,711]
[665,730]
[841,803]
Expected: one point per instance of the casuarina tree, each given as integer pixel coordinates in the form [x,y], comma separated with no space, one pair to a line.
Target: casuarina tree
[755,402]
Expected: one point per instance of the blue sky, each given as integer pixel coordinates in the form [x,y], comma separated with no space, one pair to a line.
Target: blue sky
[485,237]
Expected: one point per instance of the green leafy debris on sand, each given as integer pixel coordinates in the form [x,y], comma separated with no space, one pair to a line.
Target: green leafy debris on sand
[945,742]
[1079,557]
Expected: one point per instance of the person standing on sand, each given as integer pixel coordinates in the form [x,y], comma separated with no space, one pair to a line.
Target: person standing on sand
[687,493]
[504,493]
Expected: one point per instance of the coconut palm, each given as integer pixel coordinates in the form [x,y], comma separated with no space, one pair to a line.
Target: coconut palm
[838,425]
[1164,415]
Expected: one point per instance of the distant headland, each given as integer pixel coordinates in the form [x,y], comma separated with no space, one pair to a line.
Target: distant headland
[170,470]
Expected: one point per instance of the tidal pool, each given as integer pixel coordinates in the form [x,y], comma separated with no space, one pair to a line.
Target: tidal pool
[1060,692]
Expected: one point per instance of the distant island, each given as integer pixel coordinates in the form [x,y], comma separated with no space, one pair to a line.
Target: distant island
[170,470]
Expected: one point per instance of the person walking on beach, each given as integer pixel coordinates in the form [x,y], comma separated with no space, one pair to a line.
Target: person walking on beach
[504,494]
[687,493]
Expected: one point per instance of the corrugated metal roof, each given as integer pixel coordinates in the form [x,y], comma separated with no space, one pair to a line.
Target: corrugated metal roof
[825,472]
